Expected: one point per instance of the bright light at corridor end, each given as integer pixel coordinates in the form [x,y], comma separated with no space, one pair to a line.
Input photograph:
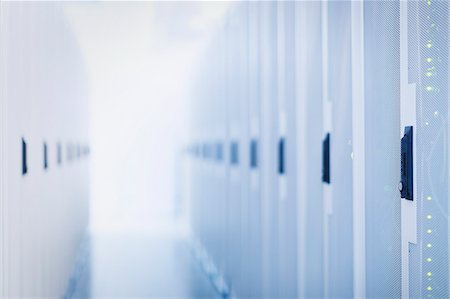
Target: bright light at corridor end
[141,58]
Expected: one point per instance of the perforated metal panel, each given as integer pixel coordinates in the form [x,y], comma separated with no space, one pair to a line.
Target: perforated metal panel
[287,174]
[382,118]
[340,236]
[255,225]
[429,258]
[309,153]
[269,140]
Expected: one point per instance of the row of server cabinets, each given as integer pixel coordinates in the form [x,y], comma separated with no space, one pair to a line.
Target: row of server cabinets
[44,152]
[319,155]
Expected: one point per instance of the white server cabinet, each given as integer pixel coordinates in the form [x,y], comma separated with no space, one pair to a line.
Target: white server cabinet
[382,267]
[219,143]
[308,40]
[202,180]
[269,142]
[211,174]
[205,165]
[45,203]
[235,146]
[242,74]
[338,253]
[228,94]
[427,71]
[363,72]
[223,152]
[255,204]
[286,152]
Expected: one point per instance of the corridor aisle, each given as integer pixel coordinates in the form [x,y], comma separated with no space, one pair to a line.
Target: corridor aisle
[143,267]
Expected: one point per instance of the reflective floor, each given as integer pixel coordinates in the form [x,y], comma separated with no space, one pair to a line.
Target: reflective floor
[143,267]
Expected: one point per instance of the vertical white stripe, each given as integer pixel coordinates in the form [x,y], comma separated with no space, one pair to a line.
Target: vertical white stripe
[302,162]
[358,119]
[2,87]
[407,118]
[3,160]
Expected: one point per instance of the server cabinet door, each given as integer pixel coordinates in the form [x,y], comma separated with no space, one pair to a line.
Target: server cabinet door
[32,200]
[382,148]
[339,228]
[254,151]
[242,106]
[214,133]
[18,126]
[269,142]
[308,39]
[221,154]
[286,152]
[235,146]
[428,59]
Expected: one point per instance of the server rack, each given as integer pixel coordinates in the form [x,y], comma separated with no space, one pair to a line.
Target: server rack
[242,36]
[427,49]
[382,149]
[338,219]
[269,142]
[309,118]
[364,72]
[255,204]
[286,152]
[36,224]
[235,147]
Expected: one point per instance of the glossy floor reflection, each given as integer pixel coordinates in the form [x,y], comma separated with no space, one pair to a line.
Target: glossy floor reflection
[137,267]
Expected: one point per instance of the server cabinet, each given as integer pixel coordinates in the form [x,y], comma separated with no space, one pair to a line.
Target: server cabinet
[221,154]
[17,102]
[206,163]
[339,213]
[232,149]
[361,69]
[286,152]
[242,36]
[37,74]
[201,180]
[269,145]
[308,42]
[382,149]
[427,50]
[236,146]
[255,205]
